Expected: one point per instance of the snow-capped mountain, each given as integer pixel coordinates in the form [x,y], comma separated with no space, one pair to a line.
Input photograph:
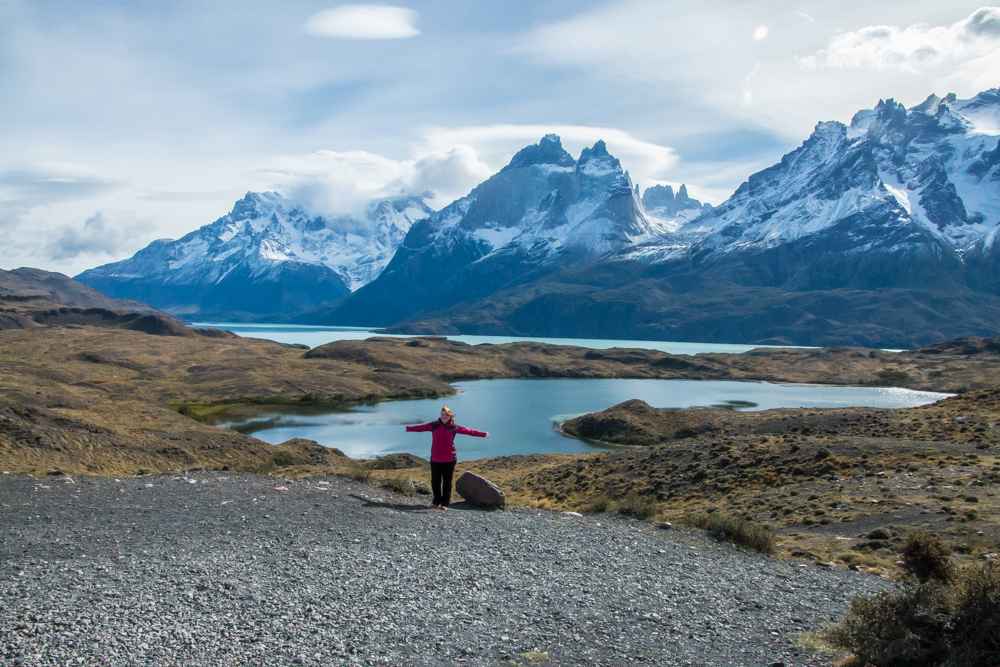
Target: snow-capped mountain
[543,211]
[268,255]
[898,198]
[882,232]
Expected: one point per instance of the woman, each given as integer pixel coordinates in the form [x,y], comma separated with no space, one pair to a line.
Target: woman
[443,457]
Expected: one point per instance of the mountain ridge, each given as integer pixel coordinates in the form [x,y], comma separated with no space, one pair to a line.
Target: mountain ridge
[269,254]
[882,232]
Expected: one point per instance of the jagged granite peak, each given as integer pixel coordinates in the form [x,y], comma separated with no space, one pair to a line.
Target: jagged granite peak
[269,254]
[540,212]
[659,202]
[900,186]
[547,151]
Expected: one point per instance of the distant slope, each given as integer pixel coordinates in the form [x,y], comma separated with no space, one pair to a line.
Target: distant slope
[64,290]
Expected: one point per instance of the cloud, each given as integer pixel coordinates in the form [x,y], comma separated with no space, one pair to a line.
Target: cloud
[747,90]
[98,235]
[345,182]
[912,49]
[760,33]
[449,162]
[30,185]
[363,22]
[496,144]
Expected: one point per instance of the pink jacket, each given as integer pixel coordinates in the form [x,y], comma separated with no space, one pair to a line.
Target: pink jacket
[443,442]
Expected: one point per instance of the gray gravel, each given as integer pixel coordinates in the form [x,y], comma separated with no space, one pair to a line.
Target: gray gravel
[223,569]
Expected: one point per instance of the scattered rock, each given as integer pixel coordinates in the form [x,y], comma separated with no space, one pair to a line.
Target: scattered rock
[423,488]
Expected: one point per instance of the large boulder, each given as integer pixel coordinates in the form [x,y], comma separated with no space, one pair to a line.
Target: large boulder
[480,491]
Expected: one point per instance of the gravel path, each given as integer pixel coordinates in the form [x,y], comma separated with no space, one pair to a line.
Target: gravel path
[232,569]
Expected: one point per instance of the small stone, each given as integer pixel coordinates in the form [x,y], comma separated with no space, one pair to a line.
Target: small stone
[573,514]
[281,488]
[664,525]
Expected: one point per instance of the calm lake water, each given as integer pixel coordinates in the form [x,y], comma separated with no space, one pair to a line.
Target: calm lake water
[521,414]
[314,336]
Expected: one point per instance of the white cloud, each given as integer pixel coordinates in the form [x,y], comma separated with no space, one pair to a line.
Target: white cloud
[760,33]
[28,185]
[912,49]
[747,90]
[448,162]
[344,182]
[496,144]
[98,235]
[363,22]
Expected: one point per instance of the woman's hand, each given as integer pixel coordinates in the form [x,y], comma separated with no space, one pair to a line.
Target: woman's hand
[487,434]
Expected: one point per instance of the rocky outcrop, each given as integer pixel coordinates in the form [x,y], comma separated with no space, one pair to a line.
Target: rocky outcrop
[398,461]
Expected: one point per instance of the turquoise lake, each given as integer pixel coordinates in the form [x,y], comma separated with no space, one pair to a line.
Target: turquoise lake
[521,415]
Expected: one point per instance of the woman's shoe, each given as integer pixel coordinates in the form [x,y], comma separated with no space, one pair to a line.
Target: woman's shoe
[444,507]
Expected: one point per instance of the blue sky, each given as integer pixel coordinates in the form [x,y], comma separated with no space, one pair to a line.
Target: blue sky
[127,121]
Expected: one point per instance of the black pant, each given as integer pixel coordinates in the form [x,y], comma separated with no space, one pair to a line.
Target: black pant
[441,474]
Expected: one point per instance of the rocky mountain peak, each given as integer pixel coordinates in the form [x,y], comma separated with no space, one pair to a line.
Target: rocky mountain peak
[548,151]
[596,160]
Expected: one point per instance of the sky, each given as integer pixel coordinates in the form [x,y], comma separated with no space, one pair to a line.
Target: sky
[122,122]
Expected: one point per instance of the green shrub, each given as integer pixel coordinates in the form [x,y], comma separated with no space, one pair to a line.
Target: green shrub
[358,473]
[741,532]
[927,624]
[925,556]
[400,485]
[976,637]
[599,504]
[284,459]
[641,507]
[901,628]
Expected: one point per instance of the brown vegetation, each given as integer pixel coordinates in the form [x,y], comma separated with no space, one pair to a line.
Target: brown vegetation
[88,399]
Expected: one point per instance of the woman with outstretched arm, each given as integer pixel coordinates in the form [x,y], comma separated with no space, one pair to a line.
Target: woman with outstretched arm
[443,458]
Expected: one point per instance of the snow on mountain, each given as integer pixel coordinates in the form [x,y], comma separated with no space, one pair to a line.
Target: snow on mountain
[896,180]
[671,211]
[544,202]
[304,259]
[542,211]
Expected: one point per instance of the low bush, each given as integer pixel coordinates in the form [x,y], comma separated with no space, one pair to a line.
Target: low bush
[926,557]
[284,459]
[741,532]
[641,507]
[930,623]
[400,485]
[358,473]
[975,637]
[599,504]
